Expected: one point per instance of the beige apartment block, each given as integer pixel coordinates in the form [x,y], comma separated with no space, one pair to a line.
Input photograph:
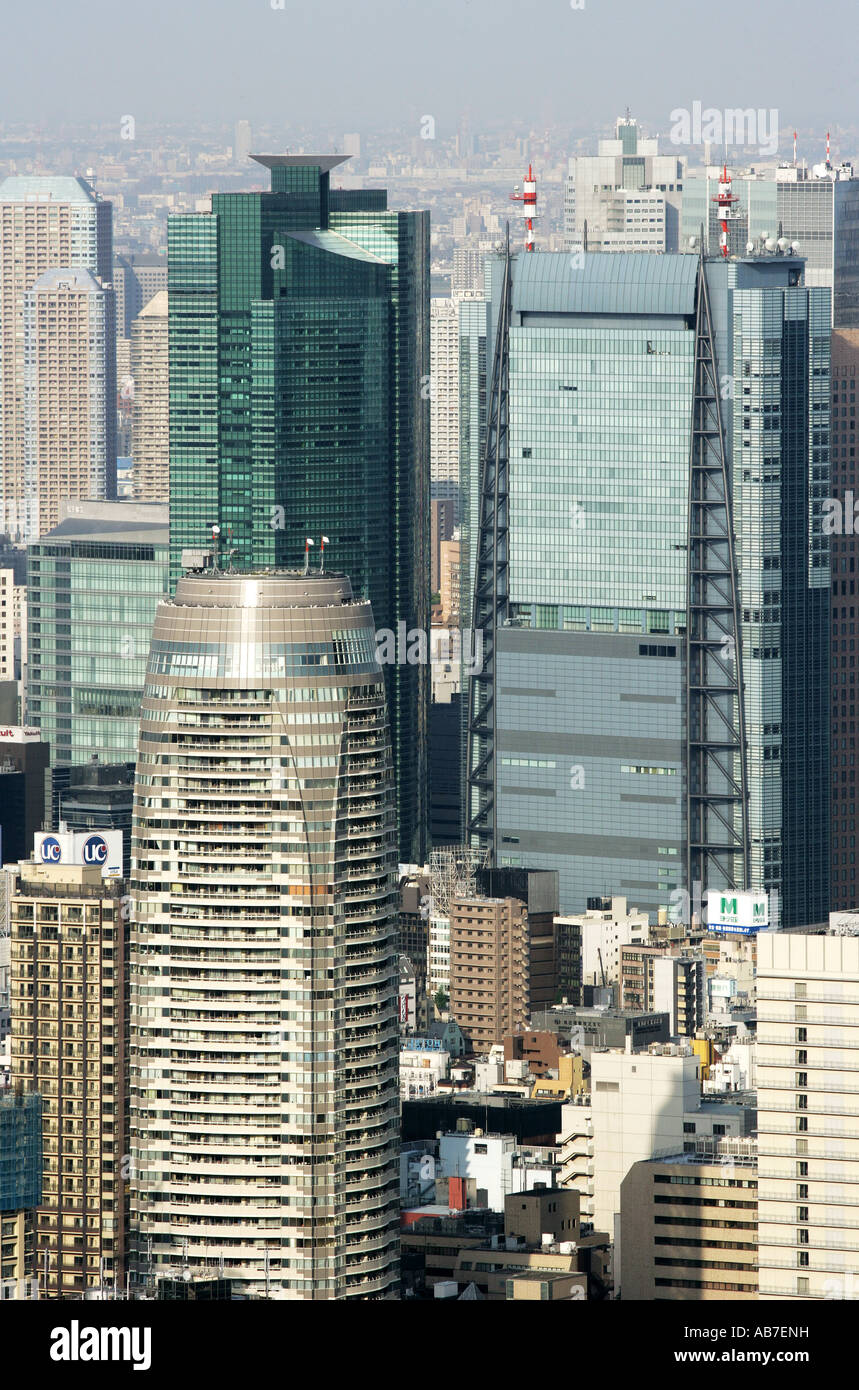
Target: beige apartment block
[68,995]
[45,221]
[808,1115]
[689,1229]
[151,428]
[69,392]
[489,968]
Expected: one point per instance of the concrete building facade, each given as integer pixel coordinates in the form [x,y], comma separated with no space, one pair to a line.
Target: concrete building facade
[689,1229]
[808,1119]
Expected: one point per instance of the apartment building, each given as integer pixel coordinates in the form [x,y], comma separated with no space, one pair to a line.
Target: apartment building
[69,979]
[489,974]
[150,437]
[808,1116]
[46,221]
[651,979]
[264,966]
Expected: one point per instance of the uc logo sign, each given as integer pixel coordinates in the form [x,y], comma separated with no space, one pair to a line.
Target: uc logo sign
[50,850]
[94,850]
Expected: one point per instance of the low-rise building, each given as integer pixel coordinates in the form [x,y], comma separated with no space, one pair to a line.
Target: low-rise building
[588,943]
[689,1227]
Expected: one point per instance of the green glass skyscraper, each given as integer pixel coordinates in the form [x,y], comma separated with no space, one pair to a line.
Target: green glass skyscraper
[299,363]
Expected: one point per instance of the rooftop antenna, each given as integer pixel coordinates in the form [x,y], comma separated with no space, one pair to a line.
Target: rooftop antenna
[307,544]
[794,149]
[528,200]
[725,200]
[828,164]
[325,542]
[216,531]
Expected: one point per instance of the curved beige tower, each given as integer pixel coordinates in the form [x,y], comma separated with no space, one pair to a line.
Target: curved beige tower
[263,1087]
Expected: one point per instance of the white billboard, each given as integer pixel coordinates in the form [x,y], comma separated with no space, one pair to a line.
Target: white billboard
[96,849]
[738,913]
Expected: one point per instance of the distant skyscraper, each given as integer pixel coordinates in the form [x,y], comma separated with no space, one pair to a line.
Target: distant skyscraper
[69,395]
[94,584]
[818,209]
[467,270]
[137,279]
[313,303]
[151,377]
[46,223]
[242,141]
[627,196]
[444,401]
[264,888]
[844,545]
[7,625]
[606,723]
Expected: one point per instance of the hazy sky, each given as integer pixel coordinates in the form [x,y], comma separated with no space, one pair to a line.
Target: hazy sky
[364,64]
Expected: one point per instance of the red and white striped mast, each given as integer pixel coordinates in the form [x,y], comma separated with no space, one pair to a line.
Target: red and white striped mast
[529,206]
[725,200]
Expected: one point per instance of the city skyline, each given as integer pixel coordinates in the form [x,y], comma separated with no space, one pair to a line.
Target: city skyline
[429,549]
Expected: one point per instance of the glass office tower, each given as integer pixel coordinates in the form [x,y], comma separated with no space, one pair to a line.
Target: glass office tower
[299,404]
[264,1088]
[93,585]
[591,754]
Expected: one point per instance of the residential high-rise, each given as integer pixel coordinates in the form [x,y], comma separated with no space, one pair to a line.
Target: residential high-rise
[818,209]
[46,222]
[151,421]
[242,141]
[69,394]
[467,275]
[489,992]
[657,471]
[137,278]
[444,401]
[844,545]
[93,583]
[264,955]
[299,366]
[627,197]
[808,1129]
[69,981]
